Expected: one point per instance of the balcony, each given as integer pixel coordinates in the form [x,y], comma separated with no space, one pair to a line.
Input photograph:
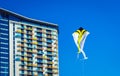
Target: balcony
[55,71]
[29,33]
[44,36]
[48,33]
[24,59]
[50,54]
[30,29]
[39,31]
[40,48]
[52,67]
[20,27]
[26,55]
[40,66]
[49,45]
[50,62]
[20,45]
[49,50]
[34,51]
[35,43]
[29,74]
[23,69]
[43,31]
[34,38]
[39,70]
[49,37]
[49,71]
[19,50]
[39,35]
[29,64]
[25,41]
[42,57]
[35,65]
[19,31]
[29,51]
[18,36]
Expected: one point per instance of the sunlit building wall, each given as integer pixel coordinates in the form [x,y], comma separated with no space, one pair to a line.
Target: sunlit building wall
[27,47]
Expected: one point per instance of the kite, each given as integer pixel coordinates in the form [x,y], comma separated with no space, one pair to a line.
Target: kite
[79,37]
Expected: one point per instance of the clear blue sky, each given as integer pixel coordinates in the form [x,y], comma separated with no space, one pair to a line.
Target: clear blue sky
[100,17]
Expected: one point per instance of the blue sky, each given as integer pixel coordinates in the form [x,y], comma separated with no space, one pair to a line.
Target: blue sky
[100,17]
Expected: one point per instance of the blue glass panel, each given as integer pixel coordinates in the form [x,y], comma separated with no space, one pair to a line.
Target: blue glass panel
[14,18]
[4,65]
[2,45]
[0,16]
[3,50]
[4,74]
[4,22]
[6,41]
[4,55]
[3,31]
[4,60]
[5,36]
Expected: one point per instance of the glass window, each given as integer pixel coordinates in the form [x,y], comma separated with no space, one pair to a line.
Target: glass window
[3,45]
[4,60]
[3,31]
[13,18]
[4,55]
[40,74]
[3,48]
[4,35]
[0,16]
[4,65]
[4,73]
[3,22]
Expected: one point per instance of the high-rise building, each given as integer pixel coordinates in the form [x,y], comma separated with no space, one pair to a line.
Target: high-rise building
[28,47]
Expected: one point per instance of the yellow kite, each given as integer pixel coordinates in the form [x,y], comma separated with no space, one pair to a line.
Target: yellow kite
[79,37]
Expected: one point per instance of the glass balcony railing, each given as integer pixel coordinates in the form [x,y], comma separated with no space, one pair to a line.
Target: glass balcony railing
[49,71]
[35,43]
[29,29]
[55,71]
[34,38]
[19,31]
[40,35]
[18,36]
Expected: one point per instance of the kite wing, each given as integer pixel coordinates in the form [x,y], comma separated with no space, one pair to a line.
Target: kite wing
[79,37]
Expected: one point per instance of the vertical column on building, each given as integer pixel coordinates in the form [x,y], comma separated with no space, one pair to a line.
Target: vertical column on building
[44,51]
[4,46]
[17,52]
[11,52]
[55,49]
[34,46]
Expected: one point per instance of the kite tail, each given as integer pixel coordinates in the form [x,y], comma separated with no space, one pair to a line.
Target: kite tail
[84,55]
[78,56]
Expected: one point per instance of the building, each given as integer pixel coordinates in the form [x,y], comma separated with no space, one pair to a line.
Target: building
[28,47]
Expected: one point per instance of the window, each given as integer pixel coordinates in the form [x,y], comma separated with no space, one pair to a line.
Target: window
[3,22]
[4,65]
[21,71]
[4,55]
[4,39]
[3,31]
[40,74]
[0,16]
[4,60]
[3,43]
[4,48]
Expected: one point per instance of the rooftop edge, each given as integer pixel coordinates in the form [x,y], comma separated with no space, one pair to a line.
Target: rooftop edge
[26,18]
